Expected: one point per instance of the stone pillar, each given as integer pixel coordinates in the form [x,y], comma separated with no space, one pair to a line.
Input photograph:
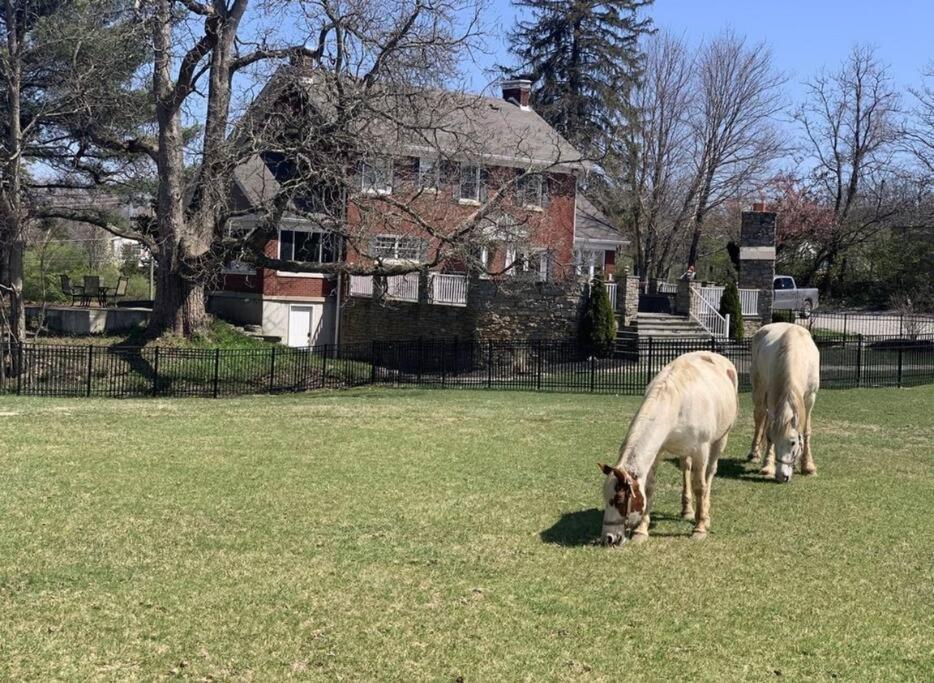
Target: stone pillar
[757,257]
[627,295]
[683,297]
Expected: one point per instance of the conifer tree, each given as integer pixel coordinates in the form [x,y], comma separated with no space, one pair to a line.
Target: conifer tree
[729,303]
[598,322]
[583,58]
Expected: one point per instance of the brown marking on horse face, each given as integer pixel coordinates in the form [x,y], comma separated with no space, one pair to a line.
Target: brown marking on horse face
[629,497]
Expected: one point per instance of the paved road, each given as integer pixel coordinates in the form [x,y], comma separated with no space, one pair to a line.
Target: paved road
[891,324]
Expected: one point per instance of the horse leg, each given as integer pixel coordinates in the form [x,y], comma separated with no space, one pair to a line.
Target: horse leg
[716,450]
[687,502]
[699,482]
[641,532]
[758,433]
[807,460]
[768,467]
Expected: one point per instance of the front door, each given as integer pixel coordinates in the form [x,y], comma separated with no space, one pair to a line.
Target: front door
[301,320]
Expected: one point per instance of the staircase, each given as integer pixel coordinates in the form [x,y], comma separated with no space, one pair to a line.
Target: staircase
[658,325]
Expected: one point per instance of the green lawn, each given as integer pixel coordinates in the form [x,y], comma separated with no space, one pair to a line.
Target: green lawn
[409,535]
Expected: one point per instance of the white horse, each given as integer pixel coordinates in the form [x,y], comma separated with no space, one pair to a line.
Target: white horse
[785,377]
[688,411]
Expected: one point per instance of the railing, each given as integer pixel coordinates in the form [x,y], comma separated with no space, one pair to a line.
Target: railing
[611,289]
[532,365]
[665,287]
[448,289]
[902,325]
[748,299]
[398,287]
[707,316]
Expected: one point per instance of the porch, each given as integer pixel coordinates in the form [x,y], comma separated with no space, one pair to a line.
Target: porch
[445,289]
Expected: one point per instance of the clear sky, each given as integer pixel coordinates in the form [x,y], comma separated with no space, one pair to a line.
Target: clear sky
[804,34]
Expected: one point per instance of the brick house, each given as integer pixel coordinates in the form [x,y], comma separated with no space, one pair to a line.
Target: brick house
[544,231]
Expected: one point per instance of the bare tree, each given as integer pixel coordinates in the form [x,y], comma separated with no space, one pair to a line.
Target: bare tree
[919,135]
[707,135]
[851,131]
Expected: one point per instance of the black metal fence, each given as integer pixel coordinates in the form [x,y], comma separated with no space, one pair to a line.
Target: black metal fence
[851,325]
[532,365]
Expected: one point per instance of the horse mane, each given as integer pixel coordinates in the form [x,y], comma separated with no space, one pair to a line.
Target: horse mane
[789,356]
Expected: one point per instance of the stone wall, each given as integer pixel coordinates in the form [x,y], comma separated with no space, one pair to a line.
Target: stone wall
[757,257]
[494,310]
[628,299]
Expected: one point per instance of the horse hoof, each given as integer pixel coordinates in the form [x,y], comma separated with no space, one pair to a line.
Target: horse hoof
[767,471]
[687,515]
[698,535]
[638,539]
[752,457]
[809,470]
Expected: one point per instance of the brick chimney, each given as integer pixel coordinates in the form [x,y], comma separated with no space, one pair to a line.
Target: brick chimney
[517,91]
[758,207]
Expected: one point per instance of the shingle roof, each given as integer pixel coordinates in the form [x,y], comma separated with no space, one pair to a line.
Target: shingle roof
[592,225]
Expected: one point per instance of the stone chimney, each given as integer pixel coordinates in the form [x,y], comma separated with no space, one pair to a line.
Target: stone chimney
[517,91]
[757,256]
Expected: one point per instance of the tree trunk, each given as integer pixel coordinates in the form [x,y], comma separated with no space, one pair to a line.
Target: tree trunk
[179,306]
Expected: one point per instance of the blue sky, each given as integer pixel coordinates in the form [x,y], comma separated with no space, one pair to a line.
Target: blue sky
[804,34]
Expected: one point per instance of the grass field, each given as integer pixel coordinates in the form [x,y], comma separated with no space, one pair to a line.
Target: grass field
[411,535]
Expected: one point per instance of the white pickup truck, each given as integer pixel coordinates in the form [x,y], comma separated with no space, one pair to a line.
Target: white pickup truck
[788,297]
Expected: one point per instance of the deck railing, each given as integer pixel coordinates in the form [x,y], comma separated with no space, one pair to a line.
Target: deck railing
[611,290]
[449,289]
[748,299]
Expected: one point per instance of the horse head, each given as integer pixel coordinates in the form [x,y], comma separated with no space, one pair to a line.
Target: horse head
[786,438]
[624,504]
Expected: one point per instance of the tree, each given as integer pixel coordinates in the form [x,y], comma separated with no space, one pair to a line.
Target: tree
[583,59]
[705,135]
[598,324]
[851,132]
[46,44]
[731,305]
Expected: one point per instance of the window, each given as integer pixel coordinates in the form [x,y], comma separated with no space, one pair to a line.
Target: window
[528,262]
[400,247]
[588,262]
[532,191]
[304,245]
[428,175]
[783,283]
[376,175]
[471,184]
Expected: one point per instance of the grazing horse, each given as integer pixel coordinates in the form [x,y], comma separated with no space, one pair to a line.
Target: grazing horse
[688,411]
[785,377]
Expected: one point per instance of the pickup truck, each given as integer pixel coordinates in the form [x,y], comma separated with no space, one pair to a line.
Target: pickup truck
[787,296]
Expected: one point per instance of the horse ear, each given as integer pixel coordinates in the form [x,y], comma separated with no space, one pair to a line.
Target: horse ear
[623,477]
[606,469]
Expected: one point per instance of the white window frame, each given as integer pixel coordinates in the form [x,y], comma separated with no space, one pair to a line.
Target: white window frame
[397,241]
[302,228]
[589,259]
[538,194]
[476,169]
[429,166]
[376,165]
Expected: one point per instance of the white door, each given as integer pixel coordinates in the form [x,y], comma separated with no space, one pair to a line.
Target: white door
[301,324]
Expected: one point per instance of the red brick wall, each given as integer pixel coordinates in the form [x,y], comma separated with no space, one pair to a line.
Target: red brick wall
[267,282]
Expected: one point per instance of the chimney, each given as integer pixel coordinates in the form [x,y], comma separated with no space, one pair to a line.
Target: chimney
[758,207]
[517,91]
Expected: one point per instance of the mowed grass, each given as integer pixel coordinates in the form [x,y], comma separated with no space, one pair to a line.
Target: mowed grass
[433,535]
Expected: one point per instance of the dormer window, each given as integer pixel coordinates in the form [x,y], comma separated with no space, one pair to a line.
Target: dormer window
[376,175]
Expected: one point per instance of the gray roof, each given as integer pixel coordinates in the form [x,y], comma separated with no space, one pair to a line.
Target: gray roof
[592,225]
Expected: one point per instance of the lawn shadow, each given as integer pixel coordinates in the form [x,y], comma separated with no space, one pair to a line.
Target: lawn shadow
[575,528]
[738,469]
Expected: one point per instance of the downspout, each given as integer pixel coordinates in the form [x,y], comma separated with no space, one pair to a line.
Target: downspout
[337,314]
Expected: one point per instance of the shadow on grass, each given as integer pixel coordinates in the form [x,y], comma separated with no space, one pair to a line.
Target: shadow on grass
[740,469]
[575,528]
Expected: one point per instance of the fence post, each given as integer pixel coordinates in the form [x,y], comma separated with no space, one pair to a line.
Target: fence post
[651,359]
[155,373]
[899,366]
[593,369]
[217,367]
[324,367]
[489,363]
[844,327]
[373,362]
[272,369]
[859,360]
[443,378]
[20,368]
[538,378]
[90,366]
[418,362]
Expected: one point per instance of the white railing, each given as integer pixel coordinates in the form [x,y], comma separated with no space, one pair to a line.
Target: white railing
[665,287]
[448,289]
[707,316]
[361,285]
[611,288]
[748,299]
[398,287]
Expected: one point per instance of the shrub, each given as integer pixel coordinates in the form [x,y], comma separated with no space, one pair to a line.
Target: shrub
[729,303]
[783,316]
[598,325]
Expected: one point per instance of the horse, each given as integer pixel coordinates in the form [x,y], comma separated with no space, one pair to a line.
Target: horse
[785,377]
[688,410]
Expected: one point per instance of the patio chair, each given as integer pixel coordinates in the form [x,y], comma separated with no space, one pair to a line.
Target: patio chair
[92,288]
[76,292]
[113,295]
